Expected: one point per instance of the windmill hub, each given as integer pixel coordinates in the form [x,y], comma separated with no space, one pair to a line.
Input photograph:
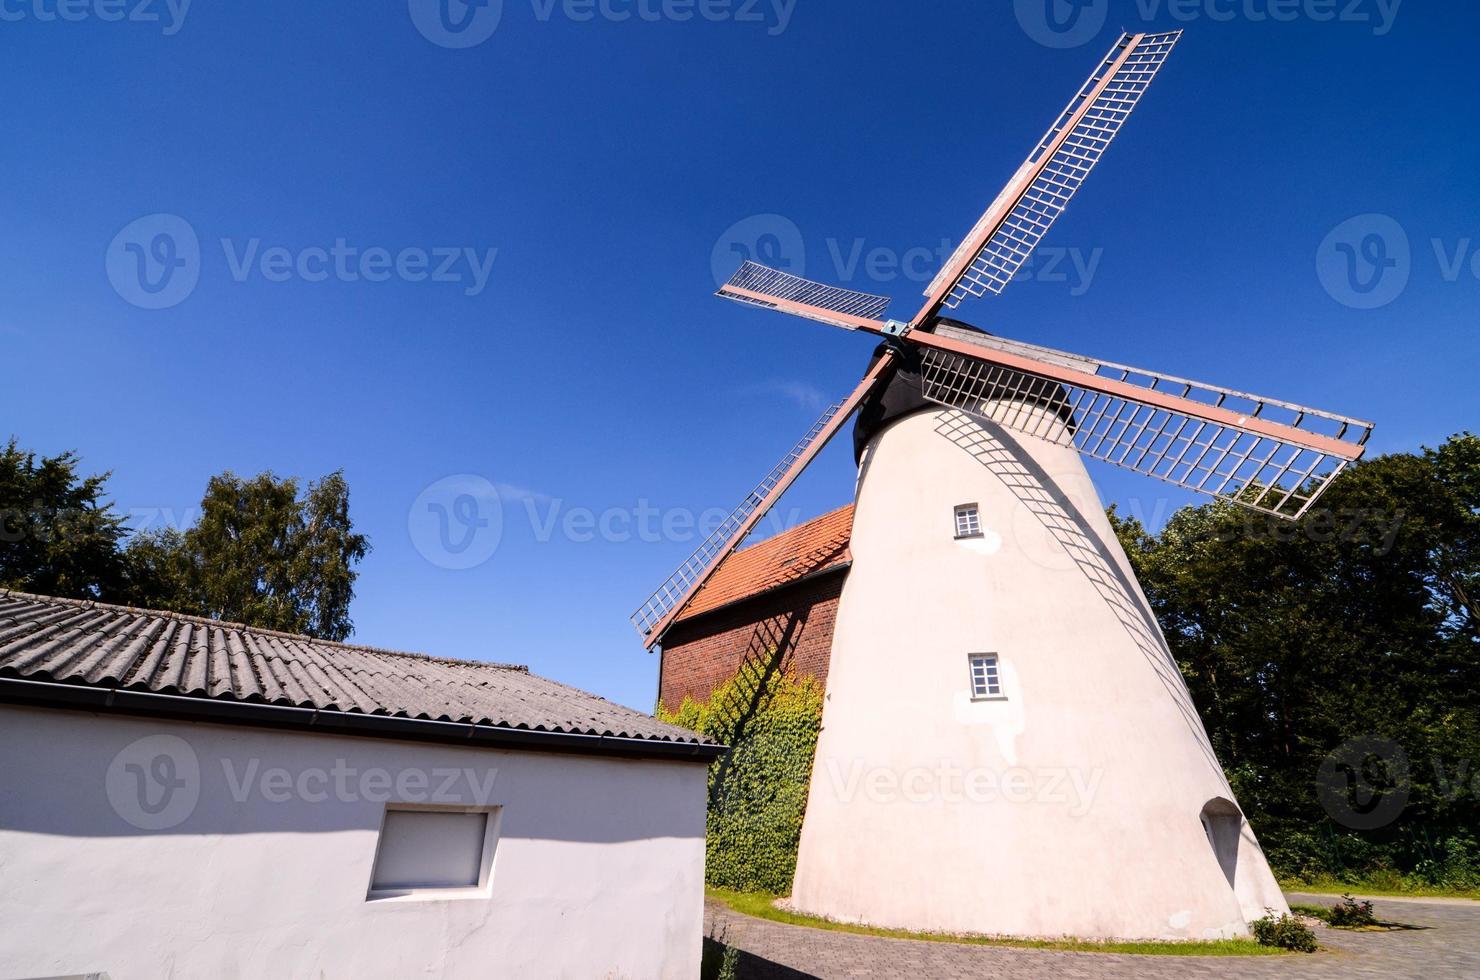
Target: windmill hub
[909,391]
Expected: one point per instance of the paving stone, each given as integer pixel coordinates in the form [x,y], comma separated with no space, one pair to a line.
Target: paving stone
[1447,947]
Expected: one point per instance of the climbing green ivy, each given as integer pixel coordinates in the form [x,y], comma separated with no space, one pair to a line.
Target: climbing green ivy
[758,792]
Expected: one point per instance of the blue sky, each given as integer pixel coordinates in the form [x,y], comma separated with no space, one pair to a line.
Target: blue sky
[577,178]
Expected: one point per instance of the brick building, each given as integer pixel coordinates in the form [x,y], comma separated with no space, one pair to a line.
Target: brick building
[773,604]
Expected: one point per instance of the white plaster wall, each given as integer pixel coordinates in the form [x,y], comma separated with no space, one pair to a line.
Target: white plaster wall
[1071,806]
[598,870]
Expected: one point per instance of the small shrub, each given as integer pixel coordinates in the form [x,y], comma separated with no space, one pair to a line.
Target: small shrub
[721,961]
[1285,932]
[1351,914]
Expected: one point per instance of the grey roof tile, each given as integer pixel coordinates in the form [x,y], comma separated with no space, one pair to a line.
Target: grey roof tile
[96,645]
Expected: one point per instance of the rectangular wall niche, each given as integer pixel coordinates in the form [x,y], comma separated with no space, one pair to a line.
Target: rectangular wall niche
[434,852]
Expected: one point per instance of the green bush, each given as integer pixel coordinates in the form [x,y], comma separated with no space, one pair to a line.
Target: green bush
[758,792]
[1351,914]
[1453,862]
[1285,932]
[1340,861]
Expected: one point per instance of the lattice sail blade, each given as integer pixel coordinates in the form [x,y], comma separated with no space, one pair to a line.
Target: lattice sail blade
[1269,455]
[758,285]
[667,603]
[1000,243]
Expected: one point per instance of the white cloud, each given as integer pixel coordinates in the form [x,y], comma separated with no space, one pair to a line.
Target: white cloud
[800,393]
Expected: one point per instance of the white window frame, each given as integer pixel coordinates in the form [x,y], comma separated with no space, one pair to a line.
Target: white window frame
[991,688]
[482,890]
[972,526]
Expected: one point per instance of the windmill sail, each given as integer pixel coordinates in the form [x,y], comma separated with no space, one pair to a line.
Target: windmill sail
[1264,453]
[1269,455]
[1038,193]
[772,289]
[667,603]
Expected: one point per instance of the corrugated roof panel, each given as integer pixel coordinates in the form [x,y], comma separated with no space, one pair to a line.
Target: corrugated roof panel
[96,645]
[103,659]
[190,645]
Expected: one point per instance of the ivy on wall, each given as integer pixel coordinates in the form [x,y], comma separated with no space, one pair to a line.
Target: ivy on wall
[758,792]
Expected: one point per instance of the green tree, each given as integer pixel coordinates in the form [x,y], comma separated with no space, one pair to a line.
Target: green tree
[1356,621]
[57,535]
[159,572]
[260,554]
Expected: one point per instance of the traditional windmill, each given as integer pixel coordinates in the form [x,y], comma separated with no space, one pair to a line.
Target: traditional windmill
[1008,745]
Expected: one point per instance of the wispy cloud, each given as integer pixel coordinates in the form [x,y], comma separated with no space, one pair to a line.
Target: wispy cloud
[800,393]
[510,491]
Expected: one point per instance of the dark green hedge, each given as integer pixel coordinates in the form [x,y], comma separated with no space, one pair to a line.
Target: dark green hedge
[758,793]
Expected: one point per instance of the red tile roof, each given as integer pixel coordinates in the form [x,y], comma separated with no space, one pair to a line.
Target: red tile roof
[818,545]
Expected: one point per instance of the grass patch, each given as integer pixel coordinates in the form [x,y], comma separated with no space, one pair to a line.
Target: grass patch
[1389,886]
[1322,912]
[760,906]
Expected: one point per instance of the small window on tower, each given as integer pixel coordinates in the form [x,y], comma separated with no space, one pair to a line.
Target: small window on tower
[968,522]
[986,682]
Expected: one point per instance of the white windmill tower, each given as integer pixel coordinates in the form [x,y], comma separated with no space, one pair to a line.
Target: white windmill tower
[1008,745]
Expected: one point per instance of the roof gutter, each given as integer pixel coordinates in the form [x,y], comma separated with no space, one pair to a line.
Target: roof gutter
[51,694]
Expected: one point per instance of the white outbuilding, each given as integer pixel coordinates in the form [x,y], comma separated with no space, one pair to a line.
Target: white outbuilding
[185,797]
